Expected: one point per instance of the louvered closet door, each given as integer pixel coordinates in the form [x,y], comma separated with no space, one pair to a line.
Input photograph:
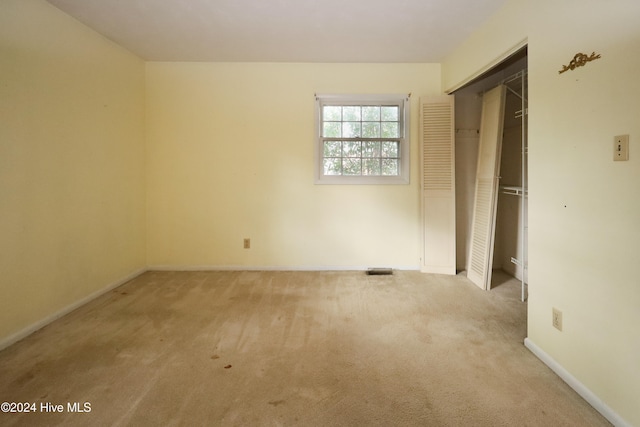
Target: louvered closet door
[438,185]
[486,194]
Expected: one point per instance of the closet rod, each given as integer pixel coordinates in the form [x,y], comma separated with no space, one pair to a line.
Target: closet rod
[519,75]
[516,76]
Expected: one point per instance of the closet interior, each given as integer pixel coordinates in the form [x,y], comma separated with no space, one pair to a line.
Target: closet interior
[491,140]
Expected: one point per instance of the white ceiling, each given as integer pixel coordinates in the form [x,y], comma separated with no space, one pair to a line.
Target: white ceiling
[284,30]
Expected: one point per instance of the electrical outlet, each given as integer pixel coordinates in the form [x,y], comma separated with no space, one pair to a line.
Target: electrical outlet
[621,148]
[247,243]
[556,320]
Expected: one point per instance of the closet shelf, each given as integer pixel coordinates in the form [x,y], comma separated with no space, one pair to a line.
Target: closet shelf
[513,190]
[517,262]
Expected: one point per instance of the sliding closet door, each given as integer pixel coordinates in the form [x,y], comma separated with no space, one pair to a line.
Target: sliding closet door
[486,193]
[438,185]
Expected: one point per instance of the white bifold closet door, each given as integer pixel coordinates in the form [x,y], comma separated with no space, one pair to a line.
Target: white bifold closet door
[483,224]
[438,185]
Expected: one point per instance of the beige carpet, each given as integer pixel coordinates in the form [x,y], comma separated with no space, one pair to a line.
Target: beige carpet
[291,349]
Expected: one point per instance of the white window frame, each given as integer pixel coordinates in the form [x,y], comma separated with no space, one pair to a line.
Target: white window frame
[402,100]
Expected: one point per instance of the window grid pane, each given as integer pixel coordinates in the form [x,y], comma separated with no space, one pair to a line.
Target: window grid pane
[361,122]
[361,157]
[371,167]
[390,114]
[332,166]
[390,167]
[352,166]
[359,154]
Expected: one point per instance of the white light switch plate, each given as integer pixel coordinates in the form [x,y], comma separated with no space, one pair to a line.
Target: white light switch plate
[621,148]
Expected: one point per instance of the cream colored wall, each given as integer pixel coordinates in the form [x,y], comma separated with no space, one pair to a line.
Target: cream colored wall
[231,156]
[71,164]
[584,208]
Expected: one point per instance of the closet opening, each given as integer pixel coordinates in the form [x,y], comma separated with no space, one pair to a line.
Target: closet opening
[491,153]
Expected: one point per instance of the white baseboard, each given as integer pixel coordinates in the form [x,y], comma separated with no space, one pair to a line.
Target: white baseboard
[438,270]
[272,268]
[576,385]
[13,338]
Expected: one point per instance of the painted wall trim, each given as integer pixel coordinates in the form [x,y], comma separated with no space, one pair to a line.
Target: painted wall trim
[489,65]
[275,268]
[13,338]
[579,388]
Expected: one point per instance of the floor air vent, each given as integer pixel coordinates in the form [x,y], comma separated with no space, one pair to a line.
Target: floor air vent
[379,271]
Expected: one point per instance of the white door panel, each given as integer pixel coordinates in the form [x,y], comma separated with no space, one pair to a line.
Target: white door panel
[438,185]
[486,193]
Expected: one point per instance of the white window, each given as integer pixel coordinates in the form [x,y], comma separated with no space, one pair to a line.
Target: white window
[362,139]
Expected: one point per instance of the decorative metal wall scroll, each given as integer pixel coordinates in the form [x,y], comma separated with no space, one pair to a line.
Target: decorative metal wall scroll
[579,61]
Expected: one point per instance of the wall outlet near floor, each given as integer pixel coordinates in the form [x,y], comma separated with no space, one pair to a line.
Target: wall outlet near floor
[556,320]
[247,243]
